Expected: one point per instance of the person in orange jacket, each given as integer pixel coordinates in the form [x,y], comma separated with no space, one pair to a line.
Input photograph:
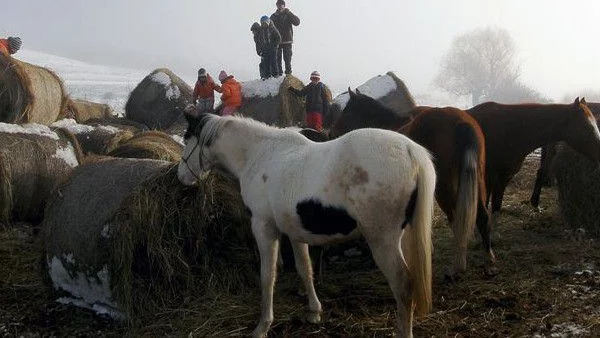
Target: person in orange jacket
[204,93]
[232,94]
[10,45]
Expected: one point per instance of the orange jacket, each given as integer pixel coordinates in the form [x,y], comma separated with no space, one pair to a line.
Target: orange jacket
[206,89]
[4,49]
[232,93]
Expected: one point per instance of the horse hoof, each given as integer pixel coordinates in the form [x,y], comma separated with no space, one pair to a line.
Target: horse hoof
[314,317]
[259,333]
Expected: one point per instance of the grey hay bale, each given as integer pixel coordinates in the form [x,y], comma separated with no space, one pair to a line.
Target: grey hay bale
[158,100]
[33,159]
[96,138]
[85,110]
[271,102]
[578,183]
[388,89]
[129,228]
[152,144]
[29,93]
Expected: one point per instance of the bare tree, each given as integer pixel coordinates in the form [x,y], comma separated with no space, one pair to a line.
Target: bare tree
[480,64]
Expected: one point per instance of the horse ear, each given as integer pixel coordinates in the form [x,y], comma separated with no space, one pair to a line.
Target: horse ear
[583,100]
[577,100]
[352,94]
[358,91]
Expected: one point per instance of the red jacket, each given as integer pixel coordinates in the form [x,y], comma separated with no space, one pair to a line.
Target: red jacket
[206,89]
[4,49]
[232,93]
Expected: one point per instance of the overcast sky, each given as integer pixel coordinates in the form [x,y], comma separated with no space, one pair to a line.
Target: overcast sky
[348,41]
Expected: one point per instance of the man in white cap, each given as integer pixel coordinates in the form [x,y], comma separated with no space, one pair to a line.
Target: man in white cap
[10,45]
[283,19]
[317,101]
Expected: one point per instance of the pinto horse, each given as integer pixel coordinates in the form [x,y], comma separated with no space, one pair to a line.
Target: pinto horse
[372,182]
[514,130]
[457,144]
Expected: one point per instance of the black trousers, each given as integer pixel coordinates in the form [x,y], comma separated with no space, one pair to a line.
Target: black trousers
[269,63]
[284,52]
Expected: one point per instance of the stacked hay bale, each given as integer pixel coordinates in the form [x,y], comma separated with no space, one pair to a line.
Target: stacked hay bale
[150,144]
[29,93]
[33,159]
[98,139]
[124,237]
[578,183]
[387,89]
[158,100]
[271,102]
[85,110]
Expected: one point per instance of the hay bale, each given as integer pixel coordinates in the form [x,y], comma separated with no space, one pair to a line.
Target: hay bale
[33,159]
[152,144]
[578,183]
[387,89]
[271,102]
[158,100]
[29,93]
[124,237]
[95,139]
[84,110]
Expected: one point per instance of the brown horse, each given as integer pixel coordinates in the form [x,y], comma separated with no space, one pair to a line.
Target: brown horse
[457,144]
[513,131]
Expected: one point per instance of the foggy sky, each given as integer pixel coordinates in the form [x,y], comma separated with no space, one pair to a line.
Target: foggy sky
[348,41]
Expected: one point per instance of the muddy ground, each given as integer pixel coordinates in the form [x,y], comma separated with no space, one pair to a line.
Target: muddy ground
[547,285]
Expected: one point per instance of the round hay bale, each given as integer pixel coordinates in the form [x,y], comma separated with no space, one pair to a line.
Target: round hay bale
[125,237]
[388,89]
[95,139]
[33,159]
[152,144]
[85,110]
[158,100]
[118,122]
[578,183]
[29,93]
[271,102]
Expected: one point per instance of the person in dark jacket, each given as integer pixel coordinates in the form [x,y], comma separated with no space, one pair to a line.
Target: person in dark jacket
[268,40]
[317,101]
[255,29]
[283,19]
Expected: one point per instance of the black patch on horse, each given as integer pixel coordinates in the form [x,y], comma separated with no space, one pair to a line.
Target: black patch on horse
[410,208]
[314,135]
[195,125]
[324,220]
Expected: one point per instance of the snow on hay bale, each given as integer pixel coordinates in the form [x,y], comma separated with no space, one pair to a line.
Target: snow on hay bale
[578,183]
[158,100]
[85,110]
[387,89]
[29,93]
[95,139]
[149,240]
[152,144]
[271,102]
[33,159]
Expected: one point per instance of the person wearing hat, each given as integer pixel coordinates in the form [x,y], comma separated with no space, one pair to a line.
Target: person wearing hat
[231,94]
[10,45]
[204,96]
[268,40]
[255,29]
[283,19]
[317,101]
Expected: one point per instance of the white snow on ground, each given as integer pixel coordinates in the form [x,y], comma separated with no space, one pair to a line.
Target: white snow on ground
[72,126]
[67,154]
[260,88]
[377,87]
[30,128]
[564,330]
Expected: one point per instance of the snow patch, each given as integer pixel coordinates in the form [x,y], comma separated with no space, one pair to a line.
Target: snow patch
[564,330]
[72,126]
[376,87]
[67,154]
[110,129]
[161,78]
[30,128]
[178,139]
[262,88]
[173,92]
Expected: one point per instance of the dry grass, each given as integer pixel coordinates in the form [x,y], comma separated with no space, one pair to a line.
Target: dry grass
[536,290]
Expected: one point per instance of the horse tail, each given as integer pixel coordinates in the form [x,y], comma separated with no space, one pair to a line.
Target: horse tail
[465,214]
[418,233]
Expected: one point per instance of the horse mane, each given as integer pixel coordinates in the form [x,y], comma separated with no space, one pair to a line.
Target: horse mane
[369,107]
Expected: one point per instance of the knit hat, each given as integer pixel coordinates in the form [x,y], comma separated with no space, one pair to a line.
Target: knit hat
[14,43]
[315,75]
[223,75]
[280,2]
[264,18]
[202,72]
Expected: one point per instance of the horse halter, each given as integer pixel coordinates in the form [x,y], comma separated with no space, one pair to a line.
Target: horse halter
[185,160]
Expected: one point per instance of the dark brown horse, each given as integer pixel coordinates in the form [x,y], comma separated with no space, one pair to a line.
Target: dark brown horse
[457,144]
[513,131]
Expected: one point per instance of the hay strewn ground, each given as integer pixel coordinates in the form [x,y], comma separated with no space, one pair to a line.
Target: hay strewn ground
[547,284]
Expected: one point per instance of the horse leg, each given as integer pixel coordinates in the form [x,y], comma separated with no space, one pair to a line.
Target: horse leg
[304,268]
[267,240]
[385,248]
[484,226]
[541,176]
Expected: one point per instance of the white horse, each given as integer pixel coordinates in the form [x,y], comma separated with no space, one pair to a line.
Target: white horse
[372,182]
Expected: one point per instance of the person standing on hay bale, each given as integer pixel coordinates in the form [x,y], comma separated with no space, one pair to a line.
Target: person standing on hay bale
[255,28]
[231,94]
[283,19]
[317,101]
[10,45]
[268,42]
[204,93]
